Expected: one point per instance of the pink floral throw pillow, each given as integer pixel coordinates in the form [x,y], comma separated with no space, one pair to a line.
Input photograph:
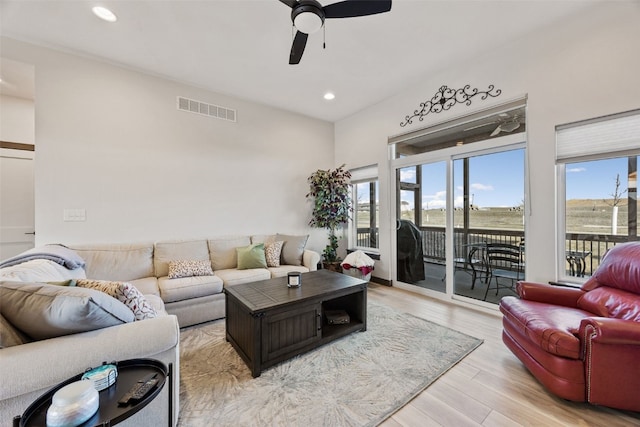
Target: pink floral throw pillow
[124,292]
[272,253]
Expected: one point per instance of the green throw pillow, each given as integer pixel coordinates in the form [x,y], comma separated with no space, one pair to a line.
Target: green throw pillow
[251,256]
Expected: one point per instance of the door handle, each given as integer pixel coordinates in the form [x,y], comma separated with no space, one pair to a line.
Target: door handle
[33,232]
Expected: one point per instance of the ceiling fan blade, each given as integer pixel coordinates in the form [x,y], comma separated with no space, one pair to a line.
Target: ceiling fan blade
[479,126]
[353,8]
[510,126]
[290,3]
[496,131]
[297,49]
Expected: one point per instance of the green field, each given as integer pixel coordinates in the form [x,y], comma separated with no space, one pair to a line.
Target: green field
[584,216]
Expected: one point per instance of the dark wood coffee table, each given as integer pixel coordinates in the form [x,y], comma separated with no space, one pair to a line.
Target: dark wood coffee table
[268,322]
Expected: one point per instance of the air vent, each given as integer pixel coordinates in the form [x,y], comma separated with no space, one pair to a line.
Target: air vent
[205,109]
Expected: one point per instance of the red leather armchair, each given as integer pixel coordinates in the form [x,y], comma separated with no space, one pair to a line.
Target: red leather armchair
[582,344]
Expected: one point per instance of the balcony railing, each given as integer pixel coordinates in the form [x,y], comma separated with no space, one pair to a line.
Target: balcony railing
[589,247]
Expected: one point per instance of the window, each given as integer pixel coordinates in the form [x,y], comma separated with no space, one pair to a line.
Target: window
[597,162]
[366,202]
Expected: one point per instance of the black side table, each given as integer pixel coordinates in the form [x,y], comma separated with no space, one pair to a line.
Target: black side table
[109,413]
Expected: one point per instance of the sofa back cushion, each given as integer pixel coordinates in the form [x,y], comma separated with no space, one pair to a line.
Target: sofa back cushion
[292,248]
[223,251]
[620,269]
[117,262]
[611,302]
[180,250]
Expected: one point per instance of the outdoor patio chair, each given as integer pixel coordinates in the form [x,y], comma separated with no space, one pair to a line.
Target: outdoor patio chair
[505,262]
[469,262]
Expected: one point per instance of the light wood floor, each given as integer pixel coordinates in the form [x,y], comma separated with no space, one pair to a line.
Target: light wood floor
[490,387]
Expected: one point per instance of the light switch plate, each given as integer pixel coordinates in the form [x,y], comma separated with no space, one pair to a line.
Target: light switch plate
[75,215]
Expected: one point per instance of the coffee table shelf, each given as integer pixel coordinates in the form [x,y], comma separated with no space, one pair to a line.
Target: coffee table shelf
[267,322]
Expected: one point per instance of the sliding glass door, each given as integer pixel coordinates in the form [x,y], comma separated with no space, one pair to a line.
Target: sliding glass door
[452,211]
[420,229]
[488,218]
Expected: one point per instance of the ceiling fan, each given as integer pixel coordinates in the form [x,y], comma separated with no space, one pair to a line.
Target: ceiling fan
[506,123]
[308,17]
[509,124]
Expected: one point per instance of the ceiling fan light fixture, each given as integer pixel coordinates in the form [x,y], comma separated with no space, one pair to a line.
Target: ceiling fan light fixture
[307,22]
[510,126]
[104,14]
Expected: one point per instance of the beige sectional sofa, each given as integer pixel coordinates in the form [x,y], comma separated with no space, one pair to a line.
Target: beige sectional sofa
[193,299]
[28,370]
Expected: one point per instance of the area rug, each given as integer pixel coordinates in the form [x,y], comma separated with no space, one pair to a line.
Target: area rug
[358,380]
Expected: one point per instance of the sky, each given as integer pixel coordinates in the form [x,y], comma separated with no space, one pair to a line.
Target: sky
[497,180]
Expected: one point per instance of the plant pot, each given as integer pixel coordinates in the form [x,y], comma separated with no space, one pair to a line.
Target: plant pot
[332,266]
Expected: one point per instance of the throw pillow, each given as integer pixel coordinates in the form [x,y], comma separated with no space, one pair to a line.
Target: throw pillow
[189,268]
[124,292]
[251,256]
[272,253]
[10,336]
[292,249]
[44,311]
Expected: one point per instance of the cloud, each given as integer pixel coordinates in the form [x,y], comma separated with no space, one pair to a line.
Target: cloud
[408,175]
[481,187]
[434,201]
[575,170]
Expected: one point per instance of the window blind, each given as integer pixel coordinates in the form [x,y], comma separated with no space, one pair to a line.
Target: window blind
[366,173]
[606,135]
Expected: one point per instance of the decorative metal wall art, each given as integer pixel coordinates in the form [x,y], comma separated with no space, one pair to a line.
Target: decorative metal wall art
[445,98]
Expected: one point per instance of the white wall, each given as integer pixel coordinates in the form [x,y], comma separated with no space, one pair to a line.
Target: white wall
[111,141]
[587,66]
[17,120]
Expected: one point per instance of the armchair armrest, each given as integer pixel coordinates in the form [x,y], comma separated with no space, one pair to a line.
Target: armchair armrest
[611,349]
[604,330]
[542,292]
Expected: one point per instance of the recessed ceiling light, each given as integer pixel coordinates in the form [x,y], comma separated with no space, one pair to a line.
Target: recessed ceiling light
[329,96]
[105,14]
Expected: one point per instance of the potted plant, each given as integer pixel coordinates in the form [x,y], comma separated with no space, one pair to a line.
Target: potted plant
[331,194]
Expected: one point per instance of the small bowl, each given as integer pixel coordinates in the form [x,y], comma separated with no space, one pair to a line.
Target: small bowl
[73,404]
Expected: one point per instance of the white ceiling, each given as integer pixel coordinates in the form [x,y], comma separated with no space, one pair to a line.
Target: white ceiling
[241,47]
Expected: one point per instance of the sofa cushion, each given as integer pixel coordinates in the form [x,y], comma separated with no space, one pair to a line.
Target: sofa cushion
[251,256]
[165,252]
[147,285]
[272,252]
[292,249]
[157,304]
[10,336]
[233,276]
[263,238]
[619,269]
[172,290]
[117,262]
[611,302]
[44,311]
[124,292]
[189,268]
[553,328]
[223,251]
[284,269]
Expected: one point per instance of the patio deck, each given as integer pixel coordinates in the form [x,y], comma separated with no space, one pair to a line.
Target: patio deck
[434,274]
